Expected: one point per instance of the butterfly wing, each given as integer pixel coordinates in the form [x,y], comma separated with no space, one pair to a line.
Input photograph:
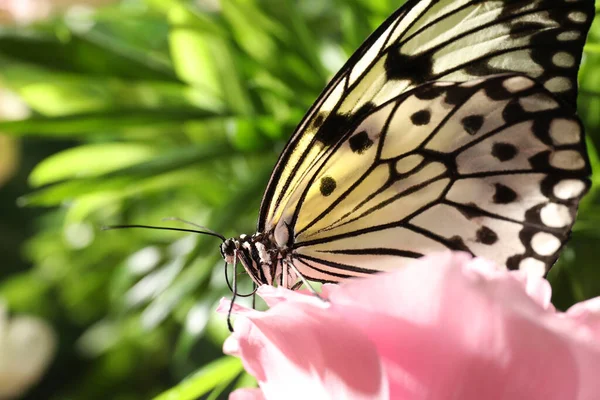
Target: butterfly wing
[425,40]
[495,167]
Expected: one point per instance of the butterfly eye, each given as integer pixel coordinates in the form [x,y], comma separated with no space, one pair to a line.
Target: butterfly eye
[227,248]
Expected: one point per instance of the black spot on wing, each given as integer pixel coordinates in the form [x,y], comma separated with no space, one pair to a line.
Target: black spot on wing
[504,151]
[541,161]
[495,90]
[430,92]
[336,126]
[541,128]
[460,94]
[421,117]
[416,69]
[513,112]
[486,236]
[513,262]
[504,194]
[360,142]
[458,244]
[472,123]
[533,215]
[319,119]
[327,186]
[333,129]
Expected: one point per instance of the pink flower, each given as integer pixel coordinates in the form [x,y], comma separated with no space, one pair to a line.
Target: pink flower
[445,327]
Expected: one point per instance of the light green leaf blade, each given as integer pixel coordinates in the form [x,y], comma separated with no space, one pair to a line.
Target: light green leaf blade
[206,379]
[89,160]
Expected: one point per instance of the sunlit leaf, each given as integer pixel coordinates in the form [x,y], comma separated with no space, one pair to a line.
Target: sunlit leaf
[204,59]
[144,176]
[212,375]
[104,123]
[90,160]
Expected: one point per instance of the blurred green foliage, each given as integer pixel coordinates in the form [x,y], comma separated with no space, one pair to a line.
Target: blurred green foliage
[157,108]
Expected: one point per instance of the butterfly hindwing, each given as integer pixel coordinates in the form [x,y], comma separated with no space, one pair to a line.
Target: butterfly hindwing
[495,167]
[426,40]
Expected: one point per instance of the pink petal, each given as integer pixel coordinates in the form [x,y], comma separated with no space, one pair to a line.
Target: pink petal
[587,314]
[237,309]
[231,346]
[445,329]
[247,394]
[275,295]
[301,345]
[535,286]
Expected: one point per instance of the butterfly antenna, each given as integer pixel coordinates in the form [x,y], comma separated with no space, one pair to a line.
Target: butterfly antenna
[203,228]
[164,228]
[304,281]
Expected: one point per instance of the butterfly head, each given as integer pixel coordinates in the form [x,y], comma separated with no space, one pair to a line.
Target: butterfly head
[257,253]
[228,249]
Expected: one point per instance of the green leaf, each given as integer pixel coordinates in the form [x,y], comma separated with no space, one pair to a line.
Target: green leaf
[204,58]
[84,124]
[161,172]
[254,31]
[206,379]
[592,48]
[89,160]
[53,93]
[21,292]
[95,52]
[246,381]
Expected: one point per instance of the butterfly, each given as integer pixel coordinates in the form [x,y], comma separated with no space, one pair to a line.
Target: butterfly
[453,126]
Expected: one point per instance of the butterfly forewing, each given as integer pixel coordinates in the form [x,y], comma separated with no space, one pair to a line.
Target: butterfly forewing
[494,167]
[426,40]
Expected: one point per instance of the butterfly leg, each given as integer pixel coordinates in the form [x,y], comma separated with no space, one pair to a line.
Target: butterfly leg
[303,280]
[227,277]
[229,325]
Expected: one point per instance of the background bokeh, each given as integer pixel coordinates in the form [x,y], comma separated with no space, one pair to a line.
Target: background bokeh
[123,112]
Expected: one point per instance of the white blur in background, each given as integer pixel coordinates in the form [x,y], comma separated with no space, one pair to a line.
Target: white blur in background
[27,346]
[23,12]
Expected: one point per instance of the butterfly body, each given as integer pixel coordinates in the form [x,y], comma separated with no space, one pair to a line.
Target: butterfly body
[453,127]
[263,258]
